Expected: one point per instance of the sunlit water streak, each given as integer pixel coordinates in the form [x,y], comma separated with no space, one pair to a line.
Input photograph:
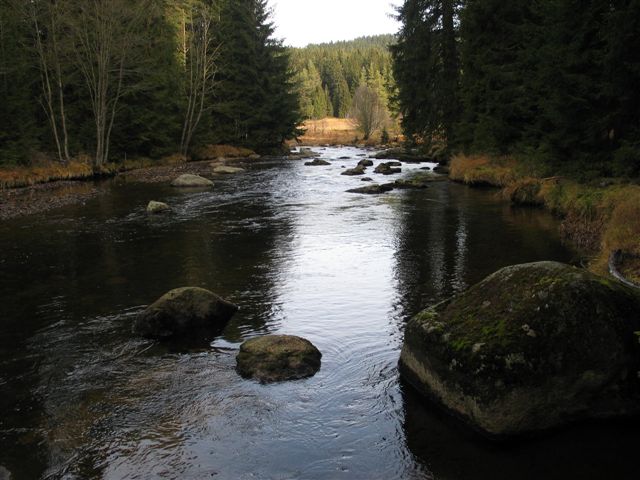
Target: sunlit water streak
[83,398]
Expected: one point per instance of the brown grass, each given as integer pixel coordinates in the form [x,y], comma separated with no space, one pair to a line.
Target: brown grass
[26,176]
[212,152]
[483,170]
[338,131]
[597,220]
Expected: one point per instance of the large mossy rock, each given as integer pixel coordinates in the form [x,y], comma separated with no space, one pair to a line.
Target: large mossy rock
[529,348]
[276,358]
[185,312]
[189,180]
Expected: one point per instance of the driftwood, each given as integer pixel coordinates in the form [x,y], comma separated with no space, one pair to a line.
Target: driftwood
[615,259]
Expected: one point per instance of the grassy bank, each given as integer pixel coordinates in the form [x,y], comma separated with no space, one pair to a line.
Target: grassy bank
[598,218]
[339,131]
[45,171]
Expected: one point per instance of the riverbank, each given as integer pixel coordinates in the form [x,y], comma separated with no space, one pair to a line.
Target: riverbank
[24,191]
[598,218]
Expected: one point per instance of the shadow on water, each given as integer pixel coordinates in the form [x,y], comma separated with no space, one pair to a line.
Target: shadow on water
[588,451]
[83,399]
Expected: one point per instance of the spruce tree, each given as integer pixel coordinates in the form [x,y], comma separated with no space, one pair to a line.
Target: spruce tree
[256,101]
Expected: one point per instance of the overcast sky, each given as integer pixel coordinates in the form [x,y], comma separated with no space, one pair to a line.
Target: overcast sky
[300,22]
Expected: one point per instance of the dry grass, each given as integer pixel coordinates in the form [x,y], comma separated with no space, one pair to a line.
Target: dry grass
[338,131]
[483,170]
[25,176]
[212,152]
[598,220]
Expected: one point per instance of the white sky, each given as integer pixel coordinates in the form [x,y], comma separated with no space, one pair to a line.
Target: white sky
[300,22]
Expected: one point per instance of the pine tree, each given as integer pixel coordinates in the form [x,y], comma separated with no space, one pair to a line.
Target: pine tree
[256,101]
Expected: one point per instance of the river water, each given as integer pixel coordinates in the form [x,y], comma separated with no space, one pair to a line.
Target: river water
[81,398]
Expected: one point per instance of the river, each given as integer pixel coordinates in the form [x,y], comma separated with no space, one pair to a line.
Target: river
[82,398]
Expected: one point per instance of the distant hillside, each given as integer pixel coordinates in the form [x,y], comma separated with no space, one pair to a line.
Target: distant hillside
[328,74]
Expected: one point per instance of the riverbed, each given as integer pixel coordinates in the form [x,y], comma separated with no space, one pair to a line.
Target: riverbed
[82,398]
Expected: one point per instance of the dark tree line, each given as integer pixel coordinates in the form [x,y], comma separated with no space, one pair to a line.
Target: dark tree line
[328,75]
[554,81]
[115,78]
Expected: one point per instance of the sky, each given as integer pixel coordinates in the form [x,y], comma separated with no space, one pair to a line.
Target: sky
[300,22]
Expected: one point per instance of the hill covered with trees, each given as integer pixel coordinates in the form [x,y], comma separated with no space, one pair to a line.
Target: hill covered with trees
[329,75]
[553,82]
[117,78]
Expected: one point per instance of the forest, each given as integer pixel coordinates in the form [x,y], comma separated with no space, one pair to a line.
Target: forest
[126,78]
[328,75]
[553,82]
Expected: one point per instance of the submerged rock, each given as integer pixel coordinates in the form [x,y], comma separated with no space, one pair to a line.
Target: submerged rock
[157,207]
[441,169]
[387,169]
[373,189]
[359,170]
[530,347]
[184,312]
[275,358]
[226,170]
[190,180]
[317,163]
[366,179]
[365,163]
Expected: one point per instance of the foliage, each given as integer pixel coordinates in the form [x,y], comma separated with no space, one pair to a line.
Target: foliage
[123,79]
[553,82]
[329,74]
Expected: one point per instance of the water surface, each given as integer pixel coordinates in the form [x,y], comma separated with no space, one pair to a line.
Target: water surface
[81,398]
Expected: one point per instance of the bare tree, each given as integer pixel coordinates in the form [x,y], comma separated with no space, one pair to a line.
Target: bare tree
[106,34]
[44,17]
[368,110]
[200,54]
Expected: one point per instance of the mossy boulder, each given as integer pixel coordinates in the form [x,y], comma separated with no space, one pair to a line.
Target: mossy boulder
[365,163]
[157,207]
[189,180]
[529,348]
[276,358]
[185,312]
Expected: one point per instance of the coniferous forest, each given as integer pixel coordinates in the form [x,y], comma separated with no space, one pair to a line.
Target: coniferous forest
[130,78]
[554,82]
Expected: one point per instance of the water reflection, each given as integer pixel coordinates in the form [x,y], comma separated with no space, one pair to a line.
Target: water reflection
[299,255]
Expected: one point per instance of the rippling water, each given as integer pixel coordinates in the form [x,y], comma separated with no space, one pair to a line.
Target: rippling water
[82,399]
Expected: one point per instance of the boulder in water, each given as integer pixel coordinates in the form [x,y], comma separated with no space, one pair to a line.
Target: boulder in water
[317,163]
[359,170]
[373,189]
[184,312]
[529,348]
[276,358]
[189,180]
[157,207]
[365,163]
[387,169]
